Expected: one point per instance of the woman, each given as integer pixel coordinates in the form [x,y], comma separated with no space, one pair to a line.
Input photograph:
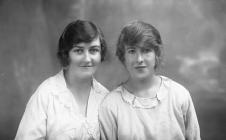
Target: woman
[65,106]
[147,106]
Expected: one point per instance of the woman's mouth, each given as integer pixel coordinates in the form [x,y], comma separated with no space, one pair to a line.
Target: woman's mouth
[140,67]
[87,66]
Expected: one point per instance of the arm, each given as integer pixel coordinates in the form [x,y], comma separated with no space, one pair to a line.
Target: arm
[33,123]
[108,122]
[192,130]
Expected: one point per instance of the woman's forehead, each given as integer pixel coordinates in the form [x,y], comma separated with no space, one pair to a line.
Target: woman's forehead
[94,42]
[139,45]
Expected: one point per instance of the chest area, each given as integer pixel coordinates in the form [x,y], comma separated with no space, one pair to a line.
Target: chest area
[156,123]
[65,120]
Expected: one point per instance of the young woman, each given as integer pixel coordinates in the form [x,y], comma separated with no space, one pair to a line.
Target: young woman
[65,106]
[147,106]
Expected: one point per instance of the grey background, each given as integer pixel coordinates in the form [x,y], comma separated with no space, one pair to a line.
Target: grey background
[193,32]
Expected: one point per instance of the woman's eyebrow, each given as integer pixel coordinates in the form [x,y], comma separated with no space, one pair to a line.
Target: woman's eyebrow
[130,47]
[80,47]
[76,45]
[95,46]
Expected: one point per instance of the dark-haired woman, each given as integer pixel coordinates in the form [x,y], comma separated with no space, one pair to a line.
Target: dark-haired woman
[65,106]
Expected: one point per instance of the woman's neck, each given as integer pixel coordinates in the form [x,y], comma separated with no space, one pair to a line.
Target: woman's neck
[146,87]
[80,87]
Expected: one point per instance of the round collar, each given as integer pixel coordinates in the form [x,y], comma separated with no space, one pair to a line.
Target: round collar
[146,103]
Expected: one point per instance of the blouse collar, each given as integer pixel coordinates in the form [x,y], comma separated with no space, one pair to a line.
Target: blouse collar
[139,102]
[64,95]
[62,86]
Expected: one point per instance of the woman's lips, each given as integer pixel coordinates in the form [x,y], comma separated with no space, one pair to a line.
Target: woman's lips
[87,66]
[140,67]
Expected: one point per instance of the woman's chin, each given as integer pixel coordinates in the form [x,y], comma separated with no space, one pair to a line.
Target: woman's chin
[86,74]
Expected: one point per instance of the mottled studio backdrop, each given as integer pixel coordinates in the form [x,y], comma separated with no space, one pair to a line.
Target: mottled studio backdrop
[193,32]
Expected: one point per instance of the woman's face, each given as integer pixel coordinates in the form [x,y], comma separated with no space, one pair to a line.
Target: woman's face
[139,61]
[84,58]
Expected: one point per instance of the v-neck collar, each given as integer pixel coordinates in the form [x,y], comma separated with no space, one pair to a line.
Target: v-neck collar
[66,98]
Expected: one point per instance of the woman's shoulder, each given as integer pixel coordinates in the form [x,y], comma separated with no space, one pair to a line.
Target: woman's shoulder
[114,97]
[175,89]
[99,88]
[50,85]
[175,86]
[41,95]
[116,92]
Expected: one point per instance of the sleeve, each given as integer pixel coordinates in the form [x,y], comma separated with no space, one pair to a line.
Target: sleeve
[192,130]
[108,122]
[33,123]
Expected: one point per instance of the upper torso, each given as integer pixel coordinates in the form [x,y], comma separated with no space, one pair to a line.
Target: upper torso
[60,118]
[161,118]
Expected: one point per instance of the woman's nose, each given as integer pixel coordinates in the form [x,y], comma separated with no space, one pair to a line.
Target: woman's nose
[140,58]
[87,56]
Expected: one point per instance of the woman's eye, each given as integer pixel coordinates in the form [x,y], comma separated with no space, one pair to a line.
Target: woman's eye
[131,51]
[147,50]
[78,51]
[94,50]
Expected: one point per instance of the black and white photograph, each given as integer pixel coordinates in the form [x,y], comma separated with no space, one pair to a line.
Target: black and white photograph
[112,69]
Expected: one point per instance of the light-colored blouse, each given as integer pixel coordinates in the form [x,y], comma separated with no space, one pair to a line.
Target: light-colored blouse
[169,116]
[52,113]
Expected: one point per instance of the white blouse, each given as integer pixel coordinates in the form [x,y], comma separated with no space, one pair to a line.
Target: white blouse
[52,113]
[169,116]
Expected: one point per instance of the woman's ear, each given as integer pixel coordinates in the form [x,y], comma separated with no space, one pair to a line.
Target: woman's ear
[157,62]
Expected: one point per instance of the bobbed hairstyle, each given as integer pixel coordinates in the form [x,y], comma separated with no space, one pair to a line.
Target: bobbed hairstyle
[139,32]
[79,31]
